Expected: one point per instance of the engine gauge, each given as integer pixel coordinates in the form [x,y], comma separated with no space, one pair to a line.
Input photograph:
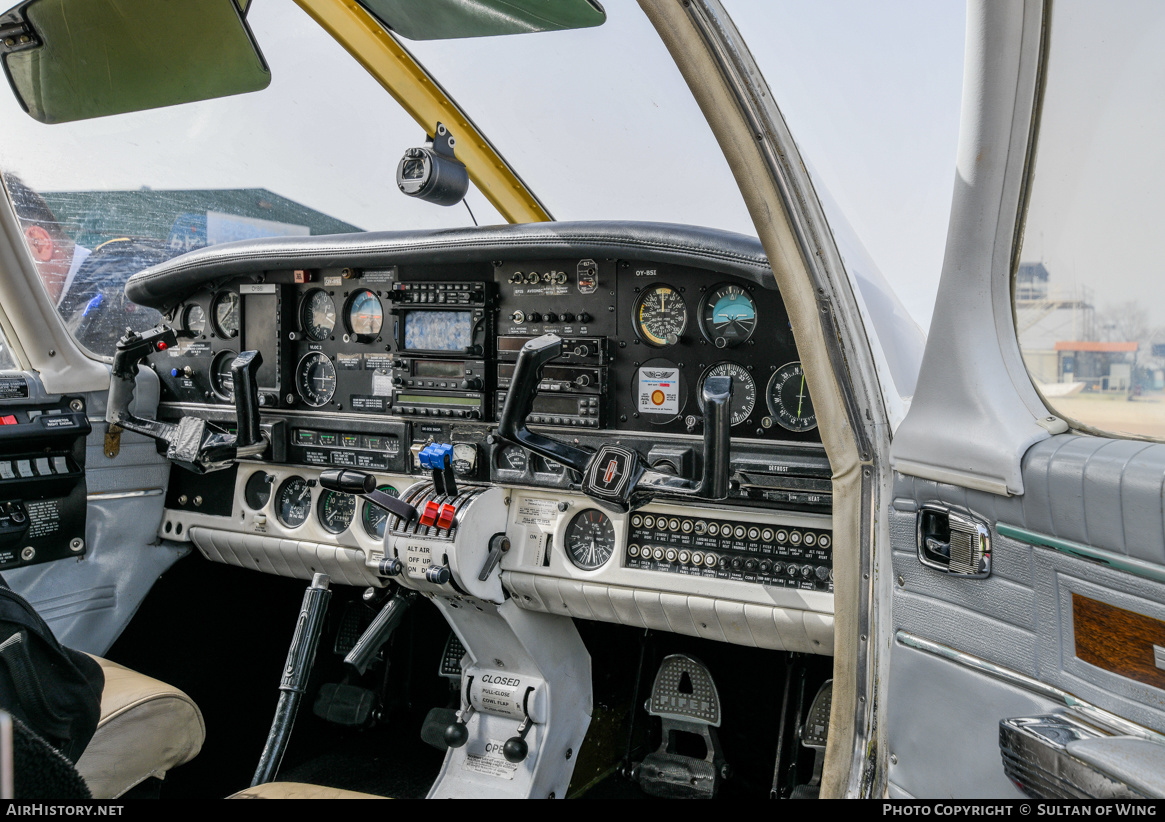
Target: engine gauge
[365,315]
[221,381]
[194,321]
[373,517]
[315,379]
[788,399]
[317,315]
[336,511]
[743,389]
[257,491]
[727,316]
[513,458]
[590,539]
[293,502]
[225,314]
[660,315]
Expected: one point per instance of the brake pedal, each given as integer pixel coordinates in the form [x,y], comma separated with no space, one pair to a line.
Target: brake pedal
[814,735]
[685,699]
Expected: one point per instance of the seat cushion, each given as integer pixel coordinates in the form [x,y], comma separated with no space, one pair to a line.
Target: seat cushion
[298,790]
[146,728]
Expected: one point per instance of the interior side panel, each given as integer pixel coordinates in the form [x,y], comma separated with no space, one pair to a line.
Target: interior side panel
[88,601]
[933,694]
[1098,494]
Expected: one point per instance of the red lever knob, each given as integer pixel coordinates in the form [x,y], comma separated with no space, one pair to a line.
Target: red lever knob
[429,515]
[445,518]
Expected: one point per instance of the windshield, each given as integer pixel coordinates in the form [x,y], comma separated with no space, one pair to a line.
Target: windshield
[315,153]
[598,122]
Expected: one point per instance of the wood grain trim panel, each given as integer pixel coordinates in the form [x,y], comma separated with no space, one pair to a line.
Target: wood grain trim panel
[1117,640]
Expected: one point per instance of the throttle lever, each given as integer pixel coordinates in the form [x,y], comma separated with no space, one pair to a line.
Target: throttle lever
[363,484]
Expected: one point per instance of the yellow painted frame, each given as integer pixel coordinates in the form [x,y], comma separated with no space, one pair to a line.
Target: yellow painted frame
[422,97]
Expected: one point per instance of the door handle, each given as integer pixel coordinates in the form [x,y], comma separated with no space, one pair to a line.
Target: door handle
[953,542]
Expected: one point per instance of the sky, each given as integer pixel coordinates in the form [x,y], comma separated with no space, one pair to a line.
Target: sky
[1096,207]
[598,122]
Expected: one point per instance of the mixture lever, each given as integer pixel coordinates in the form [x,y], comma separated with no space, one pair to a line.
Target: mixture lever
[617,476]
[196,444]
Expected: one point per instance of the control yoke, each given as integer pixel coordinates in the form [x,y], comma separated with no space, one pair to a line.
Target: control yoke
[196,444]
[617,476]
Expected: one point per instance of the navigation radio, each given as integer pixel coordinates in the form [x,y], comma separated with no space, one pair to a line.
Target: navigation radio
[442,318]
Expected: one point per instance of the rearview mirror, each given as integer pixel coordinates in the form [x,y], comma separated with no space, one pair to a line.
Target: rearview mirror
[77,59]
[456,19]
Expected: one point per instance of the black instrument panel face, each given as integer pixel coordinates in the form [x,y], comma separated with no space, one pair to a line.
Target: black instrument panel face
[408,352]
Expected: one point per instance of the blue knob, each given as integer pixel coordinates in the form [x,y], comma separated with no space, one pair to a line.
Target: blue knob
[173,372]
[435,454]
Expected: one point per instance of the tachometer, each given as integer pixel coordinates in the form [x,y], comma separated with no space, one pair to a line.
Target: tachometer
[221,381]
[293,502]
[374,517]
[365,315]
[743,389]
[590,539]
[315,379]
[336,511]
[661,315]
[727,316]
[788,399]
[225,314]
[317,315]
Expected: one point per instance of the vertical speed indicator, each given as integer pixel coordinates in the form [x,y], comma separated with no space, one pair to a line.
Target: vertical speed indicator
[788,399]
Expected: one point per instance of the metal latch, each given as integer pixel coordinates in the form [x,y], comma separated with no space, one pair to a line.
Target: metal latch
[953,542]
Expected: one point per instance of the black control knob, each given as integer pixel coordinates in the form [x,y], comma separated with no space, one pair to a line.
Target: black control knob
[725,562]
[471,384]
[822,573]
[515,749]
[551,317]
[534,317]
[750,565]
[807,571]
[398,381]
[438,574]
[390,567]
[567,317]
[584,317]
[737,563]
[456,735]
[765,566]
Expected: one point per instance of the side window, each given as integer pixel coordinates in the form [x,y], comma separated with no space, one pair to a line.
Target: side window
[1089,305]
[7,358]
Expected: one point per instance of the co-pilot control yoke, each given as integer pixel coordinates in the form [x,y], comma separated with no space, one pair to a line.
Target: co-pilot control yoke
[196,444]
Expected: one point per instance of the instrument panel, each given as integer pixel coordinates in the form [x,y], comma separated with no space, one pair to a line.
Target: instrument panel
[440,341]
[369,357]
